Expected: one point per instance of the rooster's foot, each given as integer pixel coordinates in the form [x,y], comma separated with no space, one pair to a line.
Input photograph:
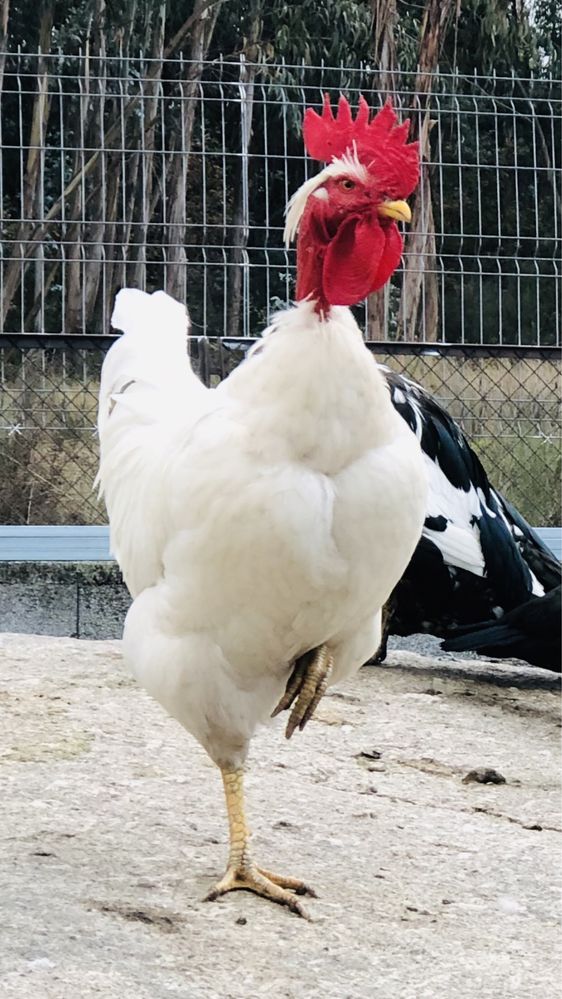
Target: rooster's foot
[307,683]
[275,887]
[242,872]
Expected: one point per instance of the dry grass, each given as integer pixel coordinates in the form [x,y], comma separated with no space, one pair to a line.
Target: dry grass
[48,452]
[510,409]
[48,479]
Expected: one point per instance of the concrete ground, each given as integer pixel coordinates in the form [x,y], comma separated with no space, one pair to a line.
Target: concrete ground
[429,885]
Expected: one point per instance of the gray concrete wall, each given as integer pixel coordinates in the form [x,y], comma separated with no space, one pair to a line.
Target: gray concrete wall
[67,599]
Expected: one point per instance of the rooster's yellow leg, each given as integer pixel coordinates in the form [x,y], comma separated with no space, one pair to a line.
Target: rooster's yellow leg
[307,684]
[242,872]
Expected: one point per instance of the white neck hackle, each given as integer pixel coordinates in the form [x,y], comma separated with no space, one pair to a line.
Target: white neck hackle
[347,165]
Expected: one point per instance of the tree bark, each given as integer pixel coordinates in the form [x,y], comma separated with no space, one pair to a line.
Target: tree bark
[383,43]
[36,162]
[73,311]
[204,21]
[4,18]
[241,221]
[32,185]
[384,54]
[94,230]
[149,111]
[419,307]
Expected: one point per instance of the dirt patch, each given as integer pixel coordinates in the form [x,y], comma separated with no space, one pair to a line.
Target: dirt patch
[114,830]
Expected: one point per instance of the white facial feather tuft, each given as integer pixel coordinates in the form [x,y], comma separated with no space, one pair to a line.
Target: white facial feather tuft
[347,165]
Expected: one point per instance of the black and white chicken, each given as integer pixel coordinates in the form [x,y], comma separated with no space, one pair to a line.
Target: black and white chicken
[530,631]
[478,558]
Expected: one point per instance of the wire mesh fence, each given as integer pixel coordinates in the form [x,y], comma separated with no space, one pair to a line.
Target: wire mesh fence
[170,174]
[165,173]
[507,402]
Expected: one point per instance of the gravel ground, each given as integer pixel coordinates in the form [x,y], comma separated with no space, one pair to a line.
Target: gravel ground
[425,645]
[429,885]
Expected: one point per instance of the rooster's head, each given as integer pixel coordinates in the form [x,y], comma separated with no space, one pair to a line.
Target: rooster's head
[348,241]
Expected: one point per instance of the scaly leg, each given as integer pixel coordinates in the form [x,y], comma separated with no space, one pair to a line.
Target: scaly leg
[307,684]
[386,622]
[241,872]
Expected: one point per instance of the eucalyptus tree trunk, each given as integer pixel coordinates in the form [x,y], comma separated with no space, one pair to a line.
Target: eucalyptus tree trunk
[121,187]
[384,54]
[147,163]
[419,308]
[94,229]
[73,311]
[204,19]
[241,217]
[32,200]
[4,16]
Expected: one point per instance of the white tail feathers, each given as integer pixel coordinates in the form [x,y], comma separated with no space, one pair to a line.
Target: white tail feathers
[136,312]
[155,335]
[149,400]
[148,371]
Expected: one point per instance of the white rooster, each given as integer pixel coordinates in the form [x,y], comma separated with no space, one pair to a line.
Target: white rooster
[262,524]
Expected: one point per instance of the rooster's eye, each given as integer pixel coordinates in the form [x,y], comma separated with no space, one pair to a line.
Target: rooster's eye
[348,185]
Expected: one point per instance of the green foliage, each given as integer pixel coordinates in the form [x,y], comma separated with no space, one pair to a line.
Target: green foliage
[309,33]
[548,30]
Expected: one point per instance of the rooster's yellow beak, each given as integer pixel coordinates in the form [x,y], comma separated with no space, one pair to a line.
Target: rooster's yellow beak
[399,210]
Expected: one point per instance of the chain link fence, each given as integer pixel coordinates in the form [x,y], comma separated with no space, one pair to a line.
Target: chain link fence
[506,401]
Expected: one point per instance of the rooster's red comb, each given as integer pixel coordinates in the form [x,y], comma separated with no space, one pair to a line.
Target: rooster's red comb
[381,138]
